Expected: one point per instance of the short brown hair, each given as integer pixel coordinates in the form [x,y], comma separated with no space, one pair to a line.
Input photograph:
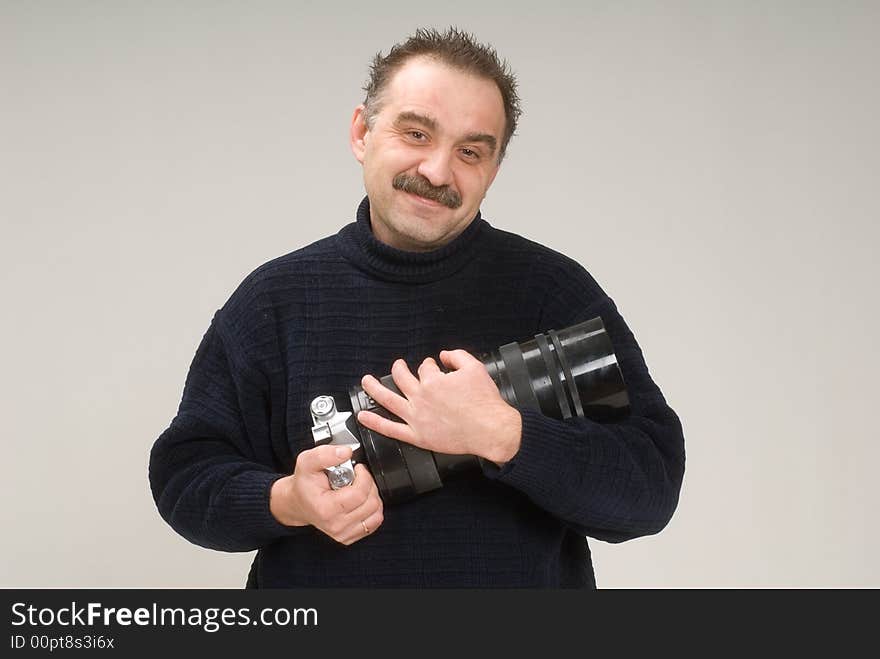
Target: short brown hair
[454,48]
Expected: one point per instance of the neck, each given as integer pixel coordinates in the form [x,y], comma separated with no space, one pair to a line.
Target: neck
[382,258]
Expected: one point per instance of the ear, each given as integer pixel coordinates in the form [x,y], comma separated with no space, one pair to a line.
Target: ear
[359,132]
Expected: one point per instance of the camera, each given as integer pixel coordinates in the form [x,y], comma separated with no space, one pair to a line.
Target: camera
[565,374]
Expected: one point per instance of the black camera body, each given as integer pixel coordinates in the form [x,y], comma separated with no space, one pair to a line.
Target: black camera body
[565,374]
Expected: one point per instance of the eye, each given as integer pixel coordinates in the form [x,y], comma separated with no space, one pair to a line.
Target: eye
[417,135]
[470,154]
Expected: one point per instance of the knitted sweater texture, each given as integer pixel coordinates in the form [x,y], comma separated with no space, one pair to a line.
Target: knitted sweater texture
[314,321]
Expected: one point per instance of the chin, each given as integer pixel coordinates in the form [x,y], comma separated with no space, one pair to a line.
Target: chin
[416,236]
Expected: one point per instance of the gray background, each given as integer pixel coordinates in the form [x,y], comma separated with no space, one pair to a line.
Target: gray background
[713,164]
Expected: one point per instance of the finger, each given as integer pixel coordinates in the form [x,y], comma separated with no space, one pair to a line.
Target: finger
[363,482]
[391,401]
[373,521]
[347,499]
[456,359]
[319,458]
[360,504]
[386,427]
[368,506]
[362,526]
[404,379]
[429,369]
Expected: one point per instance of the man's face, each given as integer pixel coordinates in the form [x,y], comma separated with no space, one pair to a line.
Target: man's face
[431,154]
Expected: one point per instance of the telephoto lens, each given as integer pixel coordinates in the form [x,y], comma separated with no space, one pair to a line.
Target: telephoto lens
[564,374]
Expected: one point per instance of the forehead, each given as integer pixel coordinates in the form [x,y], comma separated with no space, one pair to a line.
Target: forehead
[458,101]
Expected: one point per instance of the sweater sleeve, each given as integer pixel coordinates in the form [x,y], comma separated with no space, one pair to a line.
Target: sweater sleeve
[611,481]
[209,480]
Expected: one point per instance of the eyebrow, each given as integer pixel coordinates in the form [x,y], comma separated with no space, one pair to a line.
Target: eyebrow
[431,124]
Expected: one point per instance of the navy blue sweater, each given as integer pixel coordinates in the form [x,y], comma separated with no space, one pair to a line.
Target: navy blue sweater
[314,321]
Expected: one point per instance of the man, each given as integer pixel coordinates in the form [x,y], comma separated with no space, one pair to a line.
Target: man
[418,273]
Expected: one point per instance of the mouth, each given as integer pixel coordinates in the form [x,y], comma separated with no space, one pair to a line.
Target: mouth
[424,200]
[414,185]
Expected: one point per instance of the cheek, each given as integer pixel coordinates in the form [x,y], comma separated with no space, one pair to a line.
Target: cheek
[395,159]
[472,184]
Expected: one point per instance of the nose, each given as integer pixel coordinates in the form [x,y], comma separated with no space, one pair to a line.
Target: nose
[436,166]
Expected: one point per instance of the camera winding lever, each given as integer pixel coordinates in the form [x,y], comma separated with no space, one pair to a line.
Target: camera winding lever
[330,427]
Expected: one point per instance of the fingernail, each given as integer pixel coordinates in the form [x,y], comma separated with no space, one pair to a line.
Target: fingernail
[341,451]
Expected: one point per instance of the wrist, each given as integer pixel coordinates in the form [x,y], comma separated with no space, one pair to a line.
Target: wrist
[508,436]
[281,502]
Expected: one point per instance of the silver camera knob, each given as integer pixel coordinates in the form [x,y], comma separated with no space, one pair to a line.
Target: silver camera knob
[323,407]
[340,475]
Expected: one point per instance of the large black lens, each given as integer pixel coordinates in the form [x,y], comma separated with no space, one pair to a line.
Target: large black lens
[573,372]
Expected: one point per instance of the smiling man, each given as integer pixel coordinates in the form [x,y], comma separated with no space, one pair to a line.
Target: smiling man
[430,150]
[419,272]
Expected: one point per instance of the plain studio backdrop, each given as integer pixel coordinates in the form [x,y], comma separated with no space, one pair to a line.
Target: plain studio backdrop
[713,164]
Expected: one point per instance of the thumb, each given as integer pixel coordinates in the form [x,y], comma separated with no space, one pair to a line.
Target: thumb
[456,359]
[321,457]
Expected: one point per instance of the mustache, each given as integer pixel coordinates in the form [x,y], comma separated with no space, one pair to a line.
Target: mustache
[419,185]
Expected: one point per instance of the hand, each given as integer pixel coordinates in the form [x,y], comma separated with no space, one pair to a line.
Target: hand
[306,498]
[459,413]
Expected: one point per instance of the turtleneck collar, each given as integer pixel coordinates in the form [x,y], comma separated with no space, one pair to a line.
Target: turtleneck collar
[359,245]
